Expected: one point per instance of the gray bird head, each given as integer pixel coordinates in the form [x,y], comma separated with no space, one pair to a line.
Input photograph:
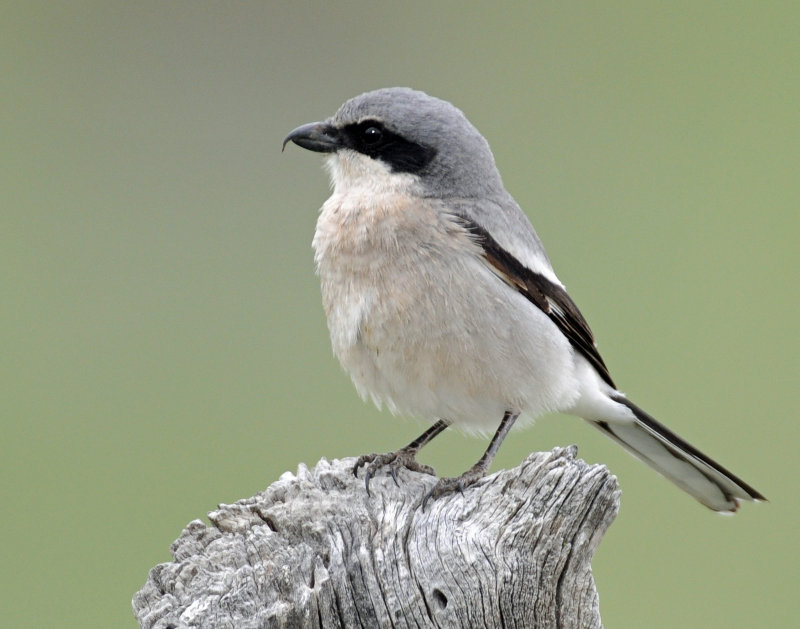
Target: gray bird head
[411,133]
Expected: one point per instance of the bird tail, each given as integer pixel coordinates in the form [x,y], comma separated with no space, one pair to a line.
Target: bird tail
[678,461]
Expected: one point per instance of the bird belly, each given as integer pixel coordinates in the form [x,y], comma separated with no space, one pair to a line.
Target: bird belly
[422,325]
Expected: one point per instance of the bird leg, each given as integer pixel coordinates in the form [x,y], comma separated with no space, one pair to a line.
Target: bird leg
[404,457]
[477,471]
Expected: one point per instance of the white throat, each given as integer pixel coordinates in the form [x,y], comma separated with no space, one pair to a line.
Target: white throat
[352,172]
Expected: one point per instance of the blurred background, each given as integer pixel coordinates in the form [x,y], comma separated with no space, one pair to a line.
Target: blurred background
[162,343]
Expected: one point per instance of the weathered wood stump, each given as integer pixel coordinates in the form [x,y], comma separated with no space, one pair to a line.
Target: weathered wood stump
[313,550]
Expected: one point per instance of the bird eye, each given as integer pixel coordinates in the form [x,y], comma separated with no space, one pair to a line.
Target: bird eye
[372,135]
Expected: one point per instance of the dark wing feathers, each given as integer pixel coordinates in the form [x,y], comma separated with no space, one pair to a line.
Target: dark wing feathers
[551,298]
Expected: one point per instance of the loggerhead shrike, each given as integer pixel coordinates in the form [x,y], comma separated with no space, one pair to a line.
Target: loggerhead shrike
[442,303]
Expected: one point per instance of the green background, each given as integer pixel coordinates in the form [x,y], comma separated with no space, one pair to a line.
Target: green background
[162,344]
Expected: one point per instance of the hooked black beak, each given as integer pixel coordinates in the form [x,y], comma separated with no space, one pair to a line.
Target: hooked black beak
[316,136]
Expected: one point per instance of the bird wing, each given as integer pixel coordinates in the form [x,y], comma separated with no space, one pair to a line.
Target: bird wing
[549,297]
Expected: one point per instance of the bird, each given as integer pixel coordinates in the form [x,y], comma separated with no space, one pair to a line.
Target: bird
[442,303]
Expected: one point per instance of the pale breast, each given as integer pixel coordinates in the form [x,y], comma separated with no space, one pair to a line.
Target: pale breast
[367,251]
[421,323]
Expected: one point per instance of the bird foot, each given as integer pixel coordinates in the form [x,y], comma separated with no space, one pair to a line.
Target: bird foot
[460,483]
[405,457]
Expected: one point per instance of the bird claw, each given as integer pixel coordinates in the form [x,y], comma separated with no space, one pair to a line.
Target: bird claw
[404,457]
[448,485]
